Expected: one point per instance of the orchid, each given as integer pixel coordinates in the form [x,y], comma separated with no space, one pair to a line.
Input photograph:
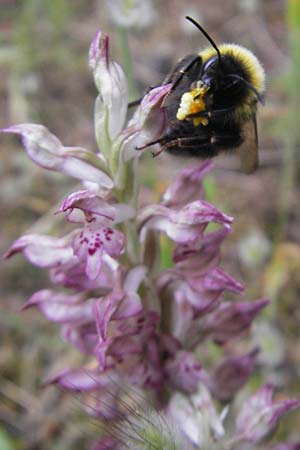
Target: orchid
[140,326]
[260,414]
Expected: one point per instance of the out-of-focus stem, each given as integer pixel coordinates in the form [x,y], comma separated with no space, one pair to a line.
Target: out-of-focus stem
[292,140]
[128,193]
[127,62]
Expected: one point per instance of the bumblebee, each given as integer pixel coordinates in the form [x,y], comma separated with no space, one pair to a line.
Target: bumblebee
[212,104]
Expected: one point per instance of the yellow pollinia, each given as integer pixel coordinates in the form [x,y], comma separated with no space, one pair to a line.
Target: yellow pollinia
[192,102]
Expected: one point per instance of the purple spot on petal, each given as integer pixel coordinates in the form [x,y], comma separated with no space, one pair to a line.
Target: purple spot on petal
[165,355]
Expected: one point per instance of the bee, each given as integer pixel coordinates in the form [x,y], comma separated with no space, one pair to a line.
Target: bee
[211,106]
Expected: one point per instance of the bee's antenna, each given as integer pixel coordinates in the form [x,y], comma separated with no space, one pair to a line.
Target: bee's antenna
[260,97]
[197,25]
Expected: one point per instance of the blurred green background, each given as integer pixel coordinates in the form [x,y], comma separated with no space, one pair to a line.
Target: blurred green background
[44,78]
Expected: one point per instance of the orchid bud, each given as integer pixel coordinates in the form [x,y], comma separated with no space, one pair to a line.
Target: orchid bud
[260,414]
[230,375]
[112,101]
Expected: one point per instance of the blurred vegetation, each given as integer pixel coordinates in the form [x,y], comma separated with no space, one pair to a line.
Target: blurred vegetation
[44,78]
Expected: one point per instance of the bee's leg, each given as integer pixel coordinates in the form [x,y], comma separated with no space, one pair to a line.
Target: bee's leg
[211,143]
[135,102]
[193,141]
[211,114]
[148,144]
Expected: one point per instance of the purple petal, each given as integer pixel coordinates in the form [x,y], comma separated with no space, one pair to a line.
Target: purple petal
[184,225]
[187,186]
[260,414]
[94,263]
[113,241]
[286,446]
[147,124]
[214,280]
[203,301]
[201,254]
[182,318]
[62,308]
[130,306]
[83,336]
[73,275]
[89,203]
[230,375]
[117,306]
[119,348]
[184,371]
[47,151]
[147,375]
[87,206]
[198,212]
[98,49]
[232,319]
[202,290]
[103,311]
[43,251]
[134,278]
[93,241]
[81,379]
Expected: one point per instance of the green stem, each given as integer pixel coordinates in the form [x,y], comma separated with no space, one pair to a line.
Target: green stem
[292,140]
[126,191]
[127,62]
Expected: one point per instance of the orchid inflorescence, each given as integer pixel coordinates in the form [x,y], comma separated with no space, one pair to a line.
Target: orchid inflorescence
[143,326]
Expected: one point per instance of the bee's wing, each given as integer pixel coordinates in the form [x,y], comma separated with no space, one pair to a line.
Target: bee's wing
[248,151]
[190,65]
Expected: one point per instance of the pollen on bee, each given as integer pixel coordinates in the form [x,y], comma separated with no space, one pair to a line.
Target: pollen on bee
[191,103]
